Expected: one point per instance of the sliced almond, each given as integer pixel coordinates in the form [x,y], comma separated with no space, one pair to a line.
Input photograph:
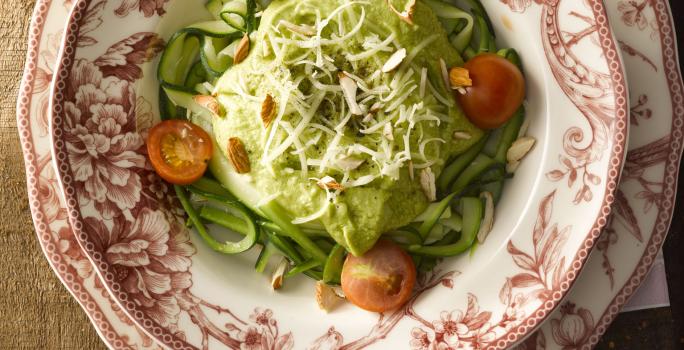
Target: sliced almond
[242,50]
[488,219]
[208,102]
[329,183]
[427,182]
[511,167]
[520,148]
[388,131]
[394,61]
[349,88]
[326,297]
[407,14]
[299,28]
[459,78]
[238,156]
[279,274]
[462,135]
[348,163]
[268,111]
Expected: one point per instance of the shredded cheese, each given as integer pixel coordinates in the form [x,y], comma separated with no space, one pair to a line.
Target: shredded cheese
[323,107]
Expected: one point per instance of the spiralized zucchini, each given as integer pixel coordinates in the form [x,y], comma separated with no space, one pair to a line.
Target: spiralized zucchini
[194,59]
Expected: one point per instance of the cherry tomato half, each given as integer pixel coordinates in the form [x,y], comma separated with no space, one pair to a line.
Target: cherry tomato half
[179,151]
[380,280]
[498,91]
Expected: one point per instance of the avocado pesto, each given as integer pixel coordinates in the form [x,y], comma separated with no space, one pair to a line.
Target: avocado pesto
[336,124]
[316,134]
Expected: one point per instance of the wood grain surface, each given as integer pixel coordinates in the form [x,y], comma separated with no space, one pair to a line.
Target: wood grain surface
[37,312]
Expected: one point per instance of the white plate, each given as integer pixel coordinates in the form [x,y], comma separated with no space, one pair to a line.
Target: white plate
[25,114]
[186,296]
[645,200]
[118,332]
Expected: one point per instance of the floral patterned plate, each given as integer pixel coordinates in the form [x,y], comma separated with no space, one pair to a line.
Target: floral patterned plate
[645,199]
[186,296]
[627,264]
[45,198]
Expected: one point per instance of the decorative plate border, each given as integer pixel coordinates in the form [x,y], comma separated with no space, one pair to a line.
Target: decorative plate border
[578,324]
[27,117]
[49,216]
[617,153]
[676,88]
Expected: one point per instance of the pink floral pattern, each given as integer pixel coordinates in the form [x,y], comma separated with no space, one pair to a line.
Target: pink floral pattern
[103,143]
[149,8]
[533,342]
[574,327]
[632,13]
[44,73]
[520,5]
[151,264]
[638,161]
[101,137]
[629,50]
[590,91]
[543,270]
[135,220]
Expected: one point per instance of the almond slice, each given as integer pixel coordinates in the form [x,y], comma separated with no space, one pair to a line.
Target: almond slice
[462,135]
[520,148]
[208,102]
[407,14]
[279,274]
[242,50]
[329,183]
[488,219]
[349,88]
[238,156]
[268,110]
[394,61]
[511,167]
[427,182]
[326,297]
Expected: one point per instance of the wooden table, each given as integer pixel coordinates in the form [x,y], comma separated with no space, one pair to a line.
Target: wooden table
[36,311]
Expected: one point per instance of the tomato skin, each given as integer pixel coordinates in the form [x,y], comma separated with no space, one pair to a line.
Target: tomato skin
[498,91]
[380,280]
[179,151]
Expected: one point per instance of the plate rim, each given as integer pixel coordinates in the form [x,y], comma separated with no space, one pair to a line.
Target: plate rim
[24,115]
[616,160]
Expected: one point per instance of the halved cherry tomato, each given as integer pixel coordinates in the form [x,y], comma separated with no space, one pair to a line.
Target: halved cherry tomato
[380,280]
[498,91]
[179,151]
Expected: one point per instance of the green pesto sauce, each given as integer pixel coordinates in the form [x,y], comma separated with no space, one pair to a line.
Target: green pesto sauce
[359,215]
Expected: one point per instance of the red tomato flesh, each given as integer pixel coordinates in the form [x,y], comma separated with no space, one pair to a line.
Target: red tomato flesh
[498,91]
[380,280]
[179,151]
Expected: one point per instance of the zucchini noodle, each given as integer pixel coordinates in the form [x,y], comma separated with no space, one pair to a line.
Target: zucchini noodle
[391,121]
